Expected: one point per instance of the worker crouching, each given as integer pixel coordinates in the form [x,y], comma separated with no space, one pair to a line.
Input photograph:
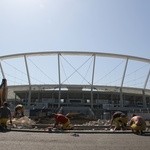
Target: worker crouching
[62,122]
[119,120]
[19,111]
[137,124]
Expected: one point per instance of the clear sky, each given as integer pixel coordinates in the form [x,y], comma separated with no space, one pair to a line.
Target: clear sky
[112,26]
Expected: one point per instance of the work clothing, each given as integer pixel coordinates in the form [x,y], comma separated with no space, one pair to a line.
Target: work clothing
[63,120]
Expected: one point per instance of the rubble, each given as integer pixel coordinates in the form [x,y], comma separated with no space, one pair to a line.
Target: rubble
[97,123]
[23,122]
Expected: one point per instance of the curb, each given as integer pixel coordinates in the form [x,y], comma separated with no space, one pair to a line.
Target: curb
[76,131]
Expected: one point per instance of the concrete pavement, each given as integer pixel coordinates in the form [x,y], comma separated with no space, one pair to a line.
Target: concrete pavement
[70,141]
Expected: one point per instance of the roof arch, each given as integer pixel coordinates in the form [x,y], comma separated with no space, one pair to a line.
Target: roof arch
[93,68]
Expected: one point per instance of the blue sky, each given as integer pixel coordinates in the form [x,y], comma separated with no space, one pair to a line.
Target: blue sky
[112,26]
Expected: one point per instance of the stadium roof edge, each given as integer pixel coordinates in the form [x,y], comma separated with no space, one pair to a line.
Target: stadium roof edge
[100,54]
[97,87]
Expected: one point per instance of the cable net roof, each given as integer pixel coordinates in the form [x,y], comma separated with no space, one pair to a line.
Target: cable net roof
[76,68]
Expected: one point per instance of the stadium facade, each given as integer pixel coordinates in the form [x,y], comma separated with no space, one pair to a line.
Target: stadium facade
[87,95]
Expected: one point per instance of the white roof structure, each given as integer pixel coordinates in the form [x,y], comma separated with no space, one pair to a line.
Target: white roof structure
[79,70]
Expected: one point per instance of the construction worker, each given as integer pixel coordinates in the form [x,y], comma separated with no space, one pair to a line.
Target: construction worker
[137,124]
[19,111]
[119,120]
[3,91]
[62,120]
[5,115]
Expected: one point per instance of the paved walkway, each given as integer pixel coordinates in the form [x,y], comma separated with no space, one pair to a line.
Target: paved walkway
[71,141]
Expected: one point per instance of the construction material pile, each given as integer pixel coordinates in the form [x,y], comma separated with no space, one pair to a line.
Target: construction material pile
[97,123]
[21,123]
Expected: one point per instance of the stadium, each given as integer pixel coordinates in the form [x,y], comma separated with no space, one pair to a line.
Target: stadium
[90,83]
